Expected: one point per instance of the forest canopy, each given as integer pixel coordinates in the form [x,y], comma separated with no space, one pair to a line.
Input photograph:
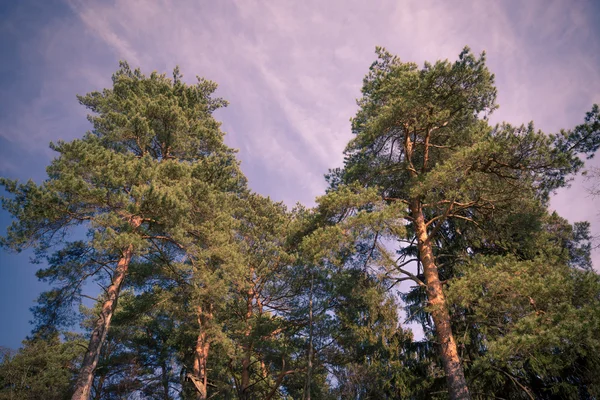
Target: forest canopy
[208,290]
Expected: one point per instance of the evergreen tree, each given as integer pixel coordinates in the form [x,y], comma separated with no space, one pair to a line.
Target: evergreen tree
[259,327]
[139,356]
[226,294]
[526,318]
[44,368]
[155,155]
[358,340]
[423,142]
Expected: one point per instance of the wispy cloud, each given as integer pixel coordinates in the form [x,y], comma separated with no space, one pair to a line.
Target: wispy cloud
[111,31]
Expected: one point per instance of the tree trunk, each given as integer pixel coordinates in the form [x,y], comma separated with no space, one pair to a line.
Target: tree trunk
[85,379]
[200,373]
[455,378]
[308,383]
[165,380]
[98,389]
[83,386]
[246,360]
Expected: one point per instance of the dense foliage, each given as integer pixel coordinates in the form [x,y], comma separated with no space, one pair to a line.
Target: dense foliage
[207,290]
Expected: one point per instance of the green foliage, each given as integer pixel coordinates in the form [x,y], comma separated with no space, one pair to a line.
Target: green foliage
[372,356]
[41,369]
[423,143]
[139,357]
[275,295]
[537,325]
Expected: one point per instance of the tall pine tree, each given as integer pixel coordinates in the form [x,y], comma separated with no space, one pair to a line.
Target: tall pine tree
[154,155]
[424,144]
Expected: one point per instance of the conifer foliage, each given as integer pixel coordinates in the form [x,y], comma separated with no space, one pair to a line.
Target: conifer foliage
[137,183]
[207,290]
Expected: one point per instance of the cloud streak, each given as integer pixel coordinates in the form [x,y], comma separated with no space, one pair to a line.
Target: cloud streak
[296,67]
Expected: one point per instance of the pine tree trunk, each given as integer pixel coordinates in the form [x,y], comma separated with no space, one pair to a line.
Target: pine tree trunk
[455,378]
[245,383]
[83,386]
[309,366]
[98,389]
[165,381]
[200,373]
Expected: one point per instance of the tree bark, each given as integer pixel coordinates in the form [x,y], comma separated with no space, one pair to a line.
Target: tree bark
[200,376]
[85,379]
[308,383]
[455,378]
[165,380]
[247,347]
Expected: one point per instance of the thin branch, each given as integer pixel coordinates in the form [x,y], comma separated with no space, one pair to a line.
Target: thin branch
[516,382]
[439,225]
[465,218]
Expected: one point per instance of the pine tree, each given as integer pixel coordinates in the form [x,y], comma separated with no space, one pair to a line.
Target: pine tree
[140,355]
[357,337]
[518,313]
[224,293]
[155,154]
[424,144]
[259,327]
[44,368]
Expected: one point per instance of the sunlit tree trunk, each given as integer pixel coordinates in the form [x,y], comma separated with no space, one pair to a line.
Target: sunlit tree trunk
[247,347]
[85,379]
[308,383]
[199,375]
[457,385]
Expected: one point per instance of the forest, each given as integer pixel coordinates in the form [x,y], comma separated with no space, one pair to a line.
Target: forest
[430,268]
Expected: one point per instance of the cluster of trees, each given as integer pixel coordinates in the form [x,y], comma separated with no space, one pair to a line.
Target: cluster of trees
[208,290]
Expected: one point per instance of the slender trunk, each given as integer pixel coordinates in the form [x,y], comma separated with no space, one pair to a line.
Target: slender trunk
[307,384]
[279,380]
[200,375]
[165,381]
[263,366]
[85,379]
[455,378]
[245,383]
[98,389]
[102,377]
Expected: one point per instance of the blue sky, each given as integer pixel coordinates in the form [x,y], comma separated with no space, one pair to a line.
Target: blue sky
[291,71]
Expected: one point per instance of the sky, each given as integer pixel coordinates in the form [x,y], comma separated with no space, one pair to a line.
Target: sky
[291,71]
